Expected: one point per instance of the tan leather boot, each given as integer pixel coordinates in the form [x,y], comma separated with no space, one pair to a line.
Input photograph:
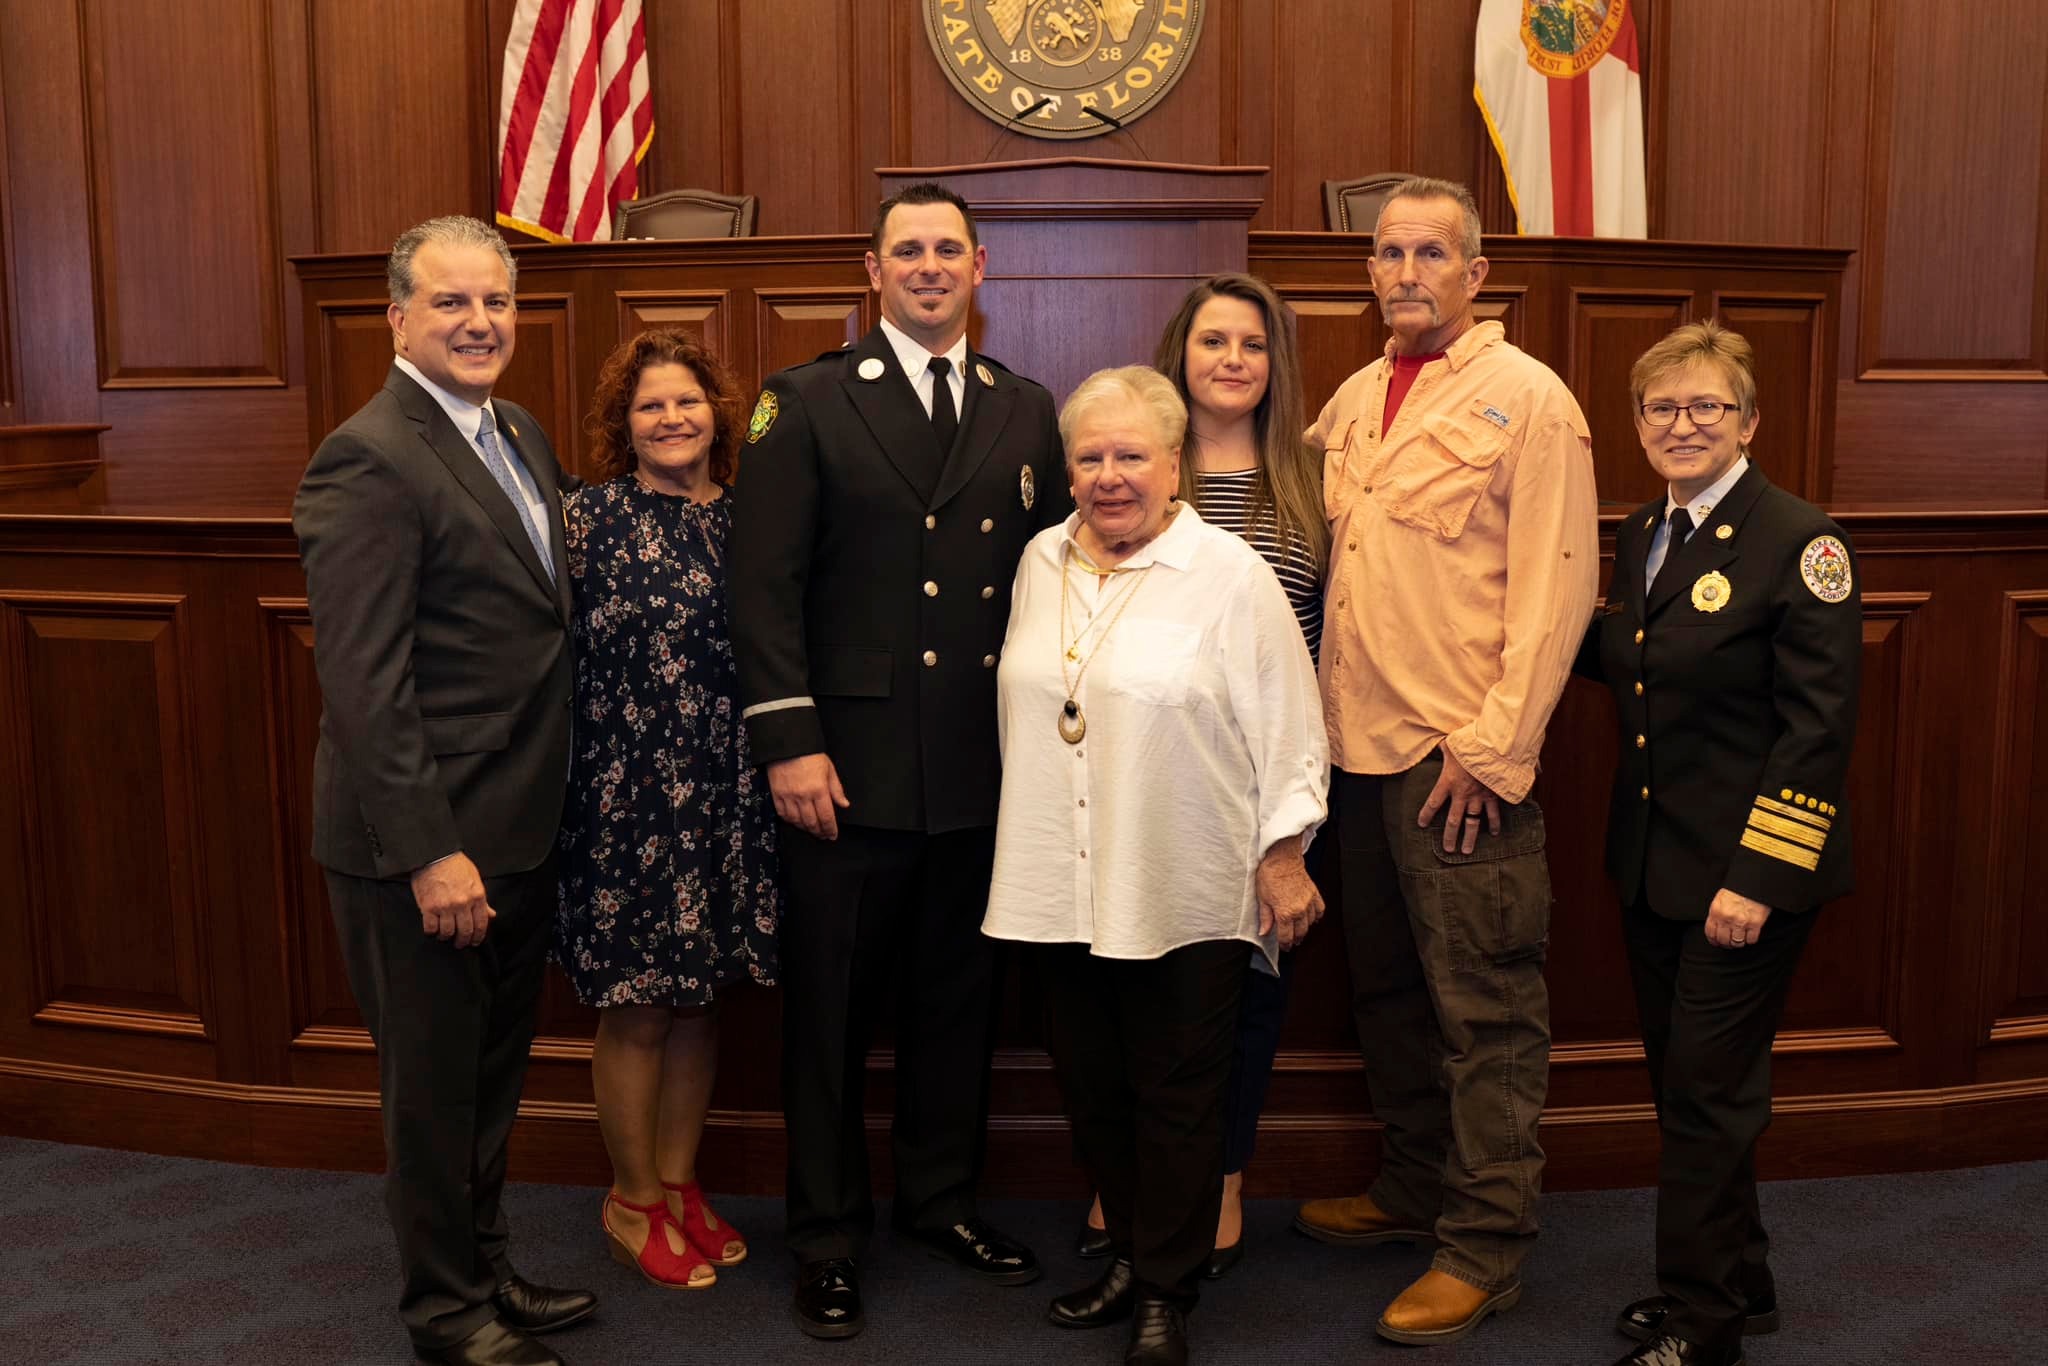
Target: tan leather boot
[1441,1308]
[1354,1220]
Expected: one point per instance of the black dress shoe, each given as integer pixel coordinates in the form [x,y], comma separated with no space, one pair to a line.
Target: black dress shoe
[494,1344]
[983,1249]
[1221,1260]
[1091,1241]
[1666,1350]
[828,1299]
[541,1308]
[1644,1319]
[1105,1302]
[1159,1333]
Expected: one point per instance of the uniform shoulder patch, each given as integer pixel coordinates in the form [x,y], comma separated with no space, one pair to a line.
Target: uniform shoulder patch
[1824,568]
[764,417]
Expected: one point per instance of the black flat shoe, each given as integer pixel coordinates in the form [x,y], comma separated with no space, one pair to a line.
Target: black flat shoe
[534,1308]
[1666,1350]
[1644,1319]
[1159,1333]
[1221,1260]
[1091,1242]
[828,1299]
[494,1344]
[1105,1302]
[982,1248]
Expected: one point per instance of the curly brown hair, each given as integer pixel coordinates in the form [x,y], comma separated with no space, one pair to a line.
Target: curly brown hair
[611,441]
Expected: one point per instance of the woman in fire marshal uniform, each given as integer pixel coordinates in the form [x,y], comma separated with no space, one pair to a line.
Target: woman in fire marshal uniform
[1730,640]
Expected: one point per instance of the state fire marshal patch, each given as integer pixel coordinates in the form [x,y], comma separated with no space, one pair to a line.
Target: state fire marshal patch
[763,419]
[1564,38]
[1824,566]
[1063,68]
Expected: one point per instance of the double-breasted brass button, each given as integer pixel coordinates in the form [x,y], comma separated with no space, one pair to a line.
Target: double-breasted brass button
[930,522]
[931,590]
[988,661]
[931,658]
[1646,794]
[1639,690]
[1639,637]
[988,591]
[988,524]
[1641,741]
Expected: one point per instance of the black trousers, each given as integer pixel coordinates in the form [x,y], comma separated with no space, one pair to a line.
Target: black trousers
[1142,1049]
[871,915]
[453,1028]
[1709,1016]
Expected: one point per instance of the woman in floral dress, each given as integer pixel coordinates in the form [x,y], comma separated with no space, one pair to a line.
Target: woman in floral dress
[668,893]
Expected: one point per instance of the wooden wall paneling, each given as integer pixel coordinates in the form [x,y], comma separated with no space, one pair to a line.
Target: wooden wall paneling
[704,313]
[40,60]
[541,376]
[790,102]
[1608,329]
[106,769]
[1951,440]
[2014,996]
[1334,90]
[186,260]
[10,378]
[180,449]
[1957,183]
[291,170]
[1338,330]
[351,354]
[1789,335]
[688,81]
[792,326]
[402,126]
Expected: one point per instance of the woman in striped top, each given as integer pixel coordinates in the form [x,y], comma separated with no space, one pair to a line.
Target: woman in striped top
[1230,350]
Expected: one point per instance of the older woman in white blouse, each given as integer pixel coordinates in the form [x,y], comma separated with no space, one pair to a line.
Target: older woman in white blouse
[1164,767]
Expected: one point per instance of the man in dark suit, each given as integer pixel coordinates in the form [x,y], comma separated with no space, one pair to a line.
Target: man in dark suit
[430,526]
[892,487]
[1731,641]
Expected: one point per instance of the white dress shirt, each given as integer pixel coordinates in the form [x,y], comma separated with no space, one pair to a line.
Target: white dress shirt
[1700,508]
[914,359]
[469,420]
[1205,746]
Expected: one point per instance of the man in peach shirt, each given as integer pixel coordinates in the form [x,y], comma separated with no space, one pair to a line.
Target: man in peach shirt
[1458,478]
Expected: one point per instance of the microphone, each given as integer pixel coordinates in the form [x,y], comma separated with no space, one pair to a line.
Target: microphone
[1043,101]
[1110,119]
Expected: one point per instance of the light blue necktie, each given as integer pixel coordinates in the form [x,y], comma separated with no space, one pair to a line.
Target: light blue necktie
[494,461]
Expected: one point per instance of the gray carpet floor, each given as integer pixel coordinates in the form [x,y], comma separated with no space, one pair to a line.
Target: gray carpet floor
[116,1259]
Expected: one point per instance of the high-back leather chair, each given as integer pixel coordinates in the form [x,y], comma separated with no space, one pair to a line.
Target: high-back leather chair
[685,213]
[1354,205]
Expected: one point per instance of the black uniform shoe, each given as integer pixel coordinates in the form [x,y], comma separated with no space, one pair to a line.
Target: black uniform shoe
[540,1308]
[982,1248]
[828,1299]
[1221,1260]
[1159,1333]
[1091,1241]
[1665,1350]
[494,1344]
[1644,1319]
[1107,1301]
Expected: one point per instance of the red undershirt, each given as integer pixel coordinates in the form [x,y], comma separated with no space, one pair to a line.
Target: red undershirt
[1406,368]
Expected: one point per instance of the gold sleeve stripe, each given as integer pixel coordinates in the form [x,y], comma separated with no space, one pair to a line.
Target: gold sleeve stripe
[1778,849]
[1790,830]
[1812,818]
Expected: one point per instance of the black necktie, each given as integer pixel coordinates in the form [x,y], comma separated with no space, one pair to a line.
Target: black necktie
[945,418]
[1681,529]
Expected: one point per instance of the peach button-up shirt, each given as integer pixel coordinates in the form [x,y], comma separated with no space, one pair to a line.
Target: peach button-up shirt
[1463,564]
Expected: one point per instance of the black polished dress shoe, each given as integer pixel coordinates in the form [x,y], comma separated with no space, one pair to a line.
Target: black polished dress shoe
[1159,1333]
[1644,1319]
[828,1299]
[1666,1350]
[982,1248]
[1105,1302]
[494,1344]
[1091,1241]
[540,1308]
[1221,1260]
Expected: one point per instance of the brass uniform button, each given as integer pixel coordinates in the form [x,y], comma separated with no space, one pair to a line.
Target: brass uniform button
[1639,637]
[988,524]
[930,522]
[931,658]
[989,591]
[1646,794]
[931,590]
[988,661]
[1639,690]
[1641,740]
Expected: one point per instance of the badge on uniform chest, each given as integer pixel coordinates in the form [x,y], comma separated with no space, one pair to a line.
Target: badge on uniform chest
[1710,591]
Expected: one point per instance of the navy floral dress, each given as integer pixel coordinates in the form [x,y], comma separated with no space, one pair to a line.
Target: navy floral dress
[668,892]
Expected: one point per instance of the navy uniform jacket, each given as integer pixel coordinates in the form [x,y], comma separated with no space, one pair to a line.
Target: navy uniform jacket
[871,577]
[1735,685]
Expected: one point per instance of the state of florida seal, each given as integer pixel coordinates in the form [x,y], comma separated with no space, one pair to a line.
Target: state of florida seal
[1565,37]
[1063,68]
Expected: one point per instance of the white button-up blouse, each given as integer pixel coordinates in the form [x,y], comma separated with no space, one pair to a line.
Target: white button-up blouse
[1205,745]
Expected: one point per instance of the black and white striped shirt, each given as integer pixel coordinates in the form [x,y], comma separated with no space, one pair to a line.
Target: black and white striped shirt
[1224,499]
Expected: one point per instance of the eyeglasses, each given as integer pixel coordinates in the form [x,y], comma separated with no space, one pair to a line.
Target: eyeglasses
[1705,413]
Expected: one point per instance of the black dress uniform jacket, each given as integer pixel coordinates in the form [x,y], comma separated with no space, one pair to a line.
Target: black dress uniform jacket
[871,577]
[1735,683]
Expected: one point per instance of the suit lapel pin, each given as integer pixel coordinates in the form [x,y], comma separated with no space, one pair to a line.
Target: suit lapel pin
[1649,522]
[870,369]
[987,377]
[1723,532]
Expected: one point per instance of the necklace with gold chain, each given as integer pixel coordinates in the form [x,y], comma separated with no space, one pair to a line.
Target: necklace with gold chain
[1073,722]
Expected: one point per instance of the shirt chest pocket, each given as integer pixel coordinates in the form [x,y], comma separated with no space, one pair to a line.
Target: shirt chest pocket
[1155,662]
[1340,478]
[1436,482]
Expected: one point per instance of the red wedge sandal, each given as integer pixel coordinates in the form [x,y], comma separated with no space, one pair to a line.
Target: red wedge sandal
[657,1261]
[719,1242]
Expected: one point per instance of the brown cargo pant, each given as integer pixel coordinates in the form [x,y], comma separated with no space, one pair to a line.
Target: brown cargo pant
[1453,1015]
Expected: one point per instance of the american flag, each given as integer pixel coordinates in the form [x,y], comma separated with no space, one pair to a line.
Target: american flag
[574,117]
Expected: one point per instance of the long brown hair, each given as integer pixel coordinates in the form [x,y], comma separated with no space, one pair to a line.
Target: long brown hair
[611,439]
[1290,473]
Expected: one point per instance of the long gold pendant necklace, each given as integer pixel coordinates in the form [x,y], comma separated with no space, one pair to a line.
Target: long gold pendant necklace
[1073,721]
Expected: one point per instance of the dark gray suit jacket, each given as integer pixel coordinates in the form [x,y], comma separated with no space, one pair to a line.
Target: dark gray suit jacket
[442,648]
